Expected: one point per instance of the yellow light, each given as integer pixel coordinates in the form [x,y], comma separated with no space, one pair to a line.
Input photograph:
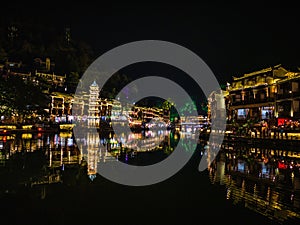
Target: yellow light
[26,136]
[27,127]
[12,127]
[65,134]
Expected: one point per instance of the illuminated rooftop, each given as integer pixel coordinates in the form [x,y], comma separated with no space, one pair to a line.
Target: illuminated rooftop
[262,71]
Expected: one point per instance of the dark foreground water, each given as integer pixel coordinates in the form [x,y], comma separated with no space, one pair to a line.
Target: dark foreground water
[39,187]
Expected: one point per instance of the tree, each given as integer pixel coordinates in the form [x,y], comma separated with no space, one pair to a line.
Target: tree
[3,55]
[6,108]
[115,84]
[169,109]
[188,108]
[167,104]
[72,82]
[204,107]
[21,98]
[26,51]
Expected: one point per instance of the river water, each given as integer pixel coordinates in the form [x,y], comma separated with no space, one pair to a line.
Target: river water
[51,178]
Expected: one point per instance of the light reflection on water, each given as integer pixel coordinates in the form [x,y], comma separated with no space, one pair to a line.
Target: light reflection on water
[274,194]
[274,199]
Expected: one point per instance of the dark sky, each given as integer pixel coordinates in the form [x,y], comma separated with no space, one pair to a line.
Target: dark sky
[231,39]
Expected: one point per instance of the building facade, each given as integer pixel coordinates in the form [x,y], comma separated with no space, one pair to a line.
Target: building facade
[253,96]
[288,98]
[61,107]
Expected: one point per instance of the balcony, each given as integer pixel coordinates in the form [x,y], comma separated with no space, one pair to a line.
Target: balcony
[253,101]
[288,95]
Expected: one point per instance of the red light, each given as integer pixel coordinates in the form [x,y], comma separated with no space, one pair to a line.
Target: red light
[281,121]
[4,131]
[281,165]
[39,129]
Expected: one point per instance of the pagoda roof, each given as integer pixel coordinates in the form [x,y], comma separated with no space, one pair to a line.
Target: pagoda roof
[94,84]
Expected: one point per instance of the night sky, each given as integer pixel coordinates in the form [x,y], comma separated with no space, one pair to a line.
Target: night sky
[231,39]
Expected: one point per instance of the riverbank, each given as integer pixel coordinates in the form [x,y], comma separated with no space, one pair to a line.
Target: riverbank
[7,129]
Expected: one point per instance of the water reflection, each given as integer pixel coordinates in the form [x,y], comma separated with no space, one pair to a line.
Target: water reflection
[35,159]
[264,180]
[58,152]
[104,147]
[259,186]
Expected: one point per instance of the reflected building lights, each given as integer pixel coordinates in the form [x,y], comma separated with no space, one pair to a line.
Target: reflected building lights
[258,193]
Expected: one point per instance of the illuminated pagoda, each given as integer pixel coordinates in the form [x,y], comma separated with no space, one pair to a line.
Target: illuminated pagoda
[94,114]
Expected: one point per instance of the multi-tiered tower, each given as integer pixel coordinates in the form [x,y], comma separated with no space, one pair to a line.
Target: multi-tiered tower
[94,114]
